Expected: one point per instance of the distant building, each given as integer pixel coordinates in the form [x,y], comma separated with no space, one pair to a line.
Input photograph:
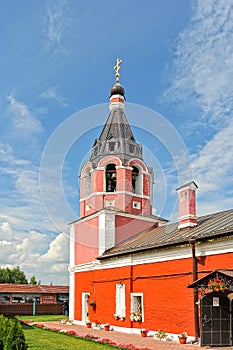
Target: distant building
[131,268]
[27,293]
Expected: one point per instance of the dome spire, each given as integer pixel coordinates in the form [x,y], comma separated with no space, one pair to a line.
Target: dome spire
[117,68]
[117,88]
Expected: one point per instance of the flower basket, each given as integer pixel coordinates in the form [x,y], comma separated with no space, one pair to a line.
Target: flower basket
[119,317]
[217,285]
[107,327]
[92,303]
[136,317]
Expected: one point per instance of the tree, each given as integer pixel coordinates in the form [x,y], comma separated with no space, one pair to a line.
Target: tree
[15,276]
[33,280]
[11,335]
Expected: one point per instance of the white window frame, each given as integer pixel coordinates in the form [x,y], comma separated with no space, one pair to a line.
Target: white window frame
[133,297]
[85,297]
[120,300]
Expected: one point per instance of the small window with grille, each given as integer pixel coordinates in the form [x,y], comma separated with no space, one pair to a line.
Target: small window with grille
[136,307]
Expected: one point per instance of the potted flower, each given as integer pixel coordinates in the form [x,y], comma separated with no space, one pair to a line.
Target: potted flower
[136,316]
[88,323]
[97,324]
[144,332]
[65,320]
[119,317]
[183,337]
[107,326]
[217,285]
[161,334]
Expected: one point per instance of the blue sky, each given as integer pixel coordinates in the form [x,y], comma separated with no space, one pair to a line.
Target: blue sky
[56,69]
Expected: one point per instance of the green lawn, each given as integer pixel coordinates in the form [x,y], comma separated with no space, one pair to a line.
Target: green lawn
[40,339]
[41,318]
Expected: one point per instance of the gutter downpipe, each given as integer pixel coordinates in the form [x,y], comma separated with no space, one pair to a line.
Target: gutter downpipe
[195,290]
[131,288]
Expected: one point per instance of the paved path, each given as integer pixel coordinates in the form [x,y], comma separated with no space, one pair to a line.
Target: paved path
[135,339]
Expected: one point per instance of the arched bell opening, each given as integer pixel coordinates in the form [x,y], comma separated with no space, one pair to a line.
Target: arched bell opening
[87,182]
[110,178]
[136,180]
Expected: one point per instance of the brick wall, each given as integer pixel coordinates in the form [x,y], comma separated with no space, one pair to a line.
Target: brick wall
[168,303]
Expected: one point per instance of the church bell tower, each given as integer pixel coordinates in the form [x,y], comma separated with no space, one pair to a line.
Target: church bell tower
[116,175]
[115,187]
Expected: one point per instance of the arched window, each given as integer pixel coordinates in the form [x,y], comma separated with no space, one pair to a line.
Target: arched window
[136,180]
[87,182]
[110,178]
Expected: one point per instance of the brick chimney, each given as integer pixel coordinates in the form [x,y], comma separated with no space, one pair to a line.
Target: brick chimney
[187,205]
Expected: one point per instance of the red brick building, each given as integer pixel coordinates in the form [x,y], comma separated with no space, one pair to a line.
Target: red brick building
[132,266]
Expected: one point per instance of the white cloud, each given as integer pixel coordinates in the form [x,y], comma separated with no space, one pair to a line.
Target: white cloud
[203,72]
[56,25]
[214,162]
[35,253]
[58,250]
[5,231]
[21,204]
[22,118]
[203,68]
[52,94]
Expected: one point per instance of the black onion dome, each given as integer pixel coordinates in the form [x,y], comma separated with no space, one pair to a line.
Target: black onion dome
[117,89]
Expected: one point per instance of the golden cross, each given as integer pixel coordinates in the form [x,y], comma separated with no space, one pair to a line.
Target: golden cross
[117,68]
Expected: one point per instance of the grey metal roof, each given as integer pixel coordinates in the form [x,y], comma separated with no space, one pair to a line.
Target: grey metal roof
[208,226]
[116,139]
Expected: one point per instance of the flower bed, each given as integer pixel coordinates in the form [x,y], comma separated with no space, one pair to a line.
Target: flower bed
[87,337]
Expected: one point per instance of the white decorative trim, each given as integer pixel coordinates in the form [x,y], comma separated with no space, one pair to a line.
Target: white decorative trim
[187,224]
[159,255]
[124,167]
[111,156]
[104,193]
[109,203]
[102,219]
[126,330]
[136,205]
[116,212]
[115,105]
[117,96]
[101,168]
[188,216]
[72,245]
[106,231]
[190,186]
[71,296]
[71,278]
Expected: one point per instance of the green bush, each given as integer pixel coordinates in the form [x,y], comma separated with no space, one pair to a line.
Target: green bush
[11,335]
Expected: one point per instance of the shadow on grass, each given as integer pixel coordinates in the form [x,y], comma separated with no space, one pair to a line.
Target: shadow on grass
[24,325]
